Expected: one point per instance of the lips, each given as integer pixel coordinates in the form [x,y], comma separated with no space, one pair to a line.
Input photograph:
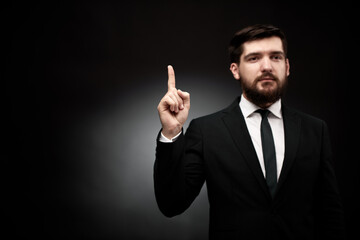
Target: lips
[267,77]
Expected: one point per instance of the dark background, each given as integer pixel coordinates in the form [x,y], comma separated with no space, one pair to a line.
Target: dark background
[81,82]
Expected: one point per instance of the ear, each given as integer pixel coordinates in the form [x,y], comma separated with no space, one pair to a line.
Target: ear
[287,67]
[234,68]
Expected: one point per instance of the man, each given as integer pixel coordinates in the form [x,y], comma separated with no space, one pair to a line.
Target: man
[267,167]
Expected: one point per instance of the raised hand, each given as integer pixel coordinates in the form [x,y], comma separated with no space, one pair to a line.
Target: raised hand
[173,108]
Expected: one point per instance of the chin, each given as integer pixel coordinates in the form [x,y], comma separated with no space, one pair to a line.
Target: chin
[267,89]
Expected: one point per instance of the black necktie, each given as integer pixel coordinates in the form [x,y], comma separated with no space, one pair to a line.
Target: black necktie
[268,147]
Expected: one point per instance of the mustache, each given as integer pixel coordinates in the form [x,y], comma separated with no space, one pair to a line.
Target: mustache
[267,75]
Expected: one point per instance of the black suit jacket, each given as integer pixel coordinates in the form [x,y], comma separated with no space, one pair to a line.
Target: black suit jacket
[218,149]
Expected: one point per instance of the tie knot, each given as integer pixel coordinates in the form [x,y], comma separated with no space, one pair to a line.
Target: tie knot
[263,112]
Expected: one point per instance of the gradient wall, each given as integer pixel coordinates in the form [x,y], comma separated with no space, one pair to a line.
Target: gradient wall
[81,85]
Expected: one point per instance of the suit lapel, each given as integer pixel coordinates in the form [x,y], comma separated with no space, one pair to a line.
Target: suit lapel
[235,123]
[292,125]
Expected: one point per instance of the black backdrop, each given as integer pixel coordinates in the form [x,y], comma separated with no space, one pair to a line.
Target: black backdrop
[81,82]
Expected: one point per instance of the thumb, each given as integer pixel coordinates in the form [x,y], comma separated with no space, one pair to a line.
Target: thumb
[185,97]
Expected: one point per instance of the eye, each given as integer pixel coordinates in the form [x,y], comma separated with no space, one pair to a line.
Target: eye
[277,57]
[252,59]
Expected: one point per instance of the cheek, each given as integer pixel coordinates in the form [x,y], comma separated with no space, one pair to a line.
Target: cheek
[248,71]
[283,69]
[247,80]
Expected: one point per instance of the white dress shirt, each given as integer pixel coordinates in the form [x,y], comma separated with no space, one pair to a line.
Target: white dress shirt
[253,122]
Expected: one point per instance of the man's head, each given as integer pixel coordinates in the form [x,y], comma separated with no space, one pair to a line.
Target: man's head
[259,61]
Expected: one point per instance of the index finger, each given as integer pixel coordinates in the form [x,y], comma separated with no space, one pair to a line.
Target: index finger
[171,77]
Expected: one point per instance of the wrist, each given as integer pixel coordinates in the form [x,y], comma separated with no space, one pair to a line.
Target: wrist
[171,133]
[164,139]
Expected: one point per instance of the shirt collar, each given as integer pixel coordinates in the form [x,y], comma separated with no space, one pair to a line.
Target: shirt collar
[248,108]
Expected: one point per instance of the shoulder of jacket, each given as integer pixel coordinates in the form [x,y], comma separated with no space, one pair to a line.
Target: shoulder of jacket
[302,115]
[219,114]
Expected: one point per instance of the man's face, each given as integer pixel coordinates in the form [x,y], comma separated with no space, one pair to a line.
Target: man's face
[262,71]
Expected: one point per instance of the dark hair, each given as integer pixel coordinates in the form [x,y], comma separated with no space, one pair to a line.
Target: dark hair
[255,32]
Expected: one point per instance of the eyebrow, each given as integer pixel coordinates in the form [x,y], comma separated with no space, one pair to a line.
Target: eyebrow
[260,53]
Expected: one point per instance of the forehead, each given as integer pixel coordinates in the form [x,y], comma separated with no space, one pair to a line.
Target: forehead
[263,45]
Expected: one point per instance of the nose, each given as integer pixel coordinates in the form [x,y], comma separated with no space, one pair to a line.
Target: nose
[266,65]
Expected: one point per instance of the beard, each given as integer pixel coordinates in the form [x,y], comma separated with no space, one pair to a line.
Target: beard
[266,94]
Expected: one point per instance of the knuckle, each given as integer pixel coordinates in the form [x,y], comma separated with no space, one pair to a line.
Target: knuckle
[169,97]
[174,91]
[170,94]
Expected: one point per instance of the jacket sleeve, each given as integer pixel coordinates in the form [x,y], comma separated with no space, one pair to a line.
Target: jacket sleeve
[179,171]
[329,210]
